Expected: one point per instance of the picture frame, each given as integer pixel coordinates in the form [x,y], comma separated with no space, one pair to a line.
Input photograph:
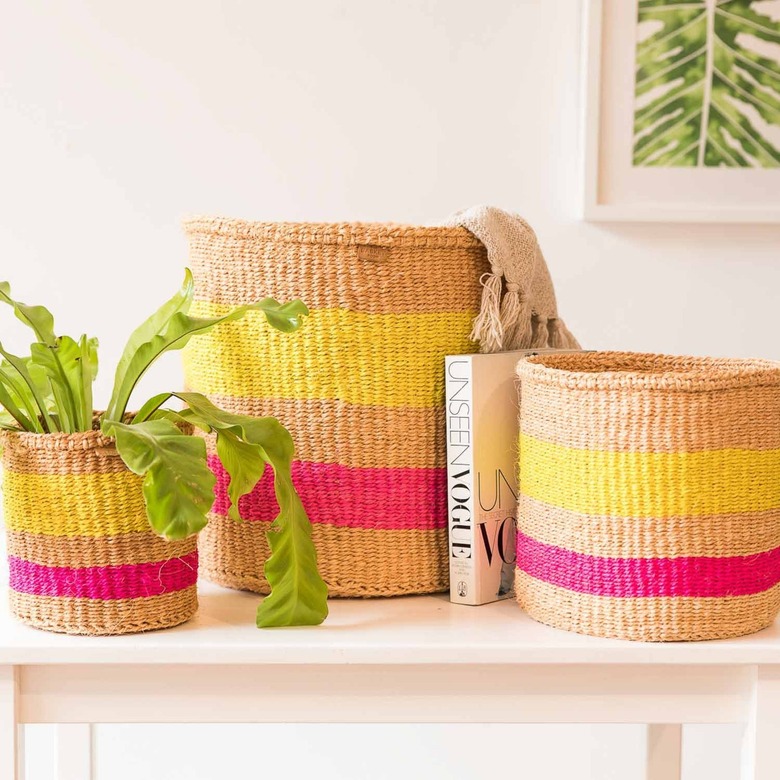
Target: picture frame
[615,188]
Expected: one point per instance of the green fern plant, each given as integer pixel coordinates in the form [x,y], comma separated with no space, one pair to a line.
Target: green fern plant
[707,85]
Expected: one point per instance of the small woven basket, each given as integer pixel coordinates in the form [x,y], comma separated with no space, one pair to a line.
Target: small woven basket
[81,555]
[360,387]
[650,495]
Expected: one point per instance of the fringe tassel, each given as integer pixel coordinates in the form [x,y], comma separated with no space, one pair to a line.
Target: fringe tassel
[510,312]
[488,329]
[560,336]
[516,317]
[571,341]
[539,334]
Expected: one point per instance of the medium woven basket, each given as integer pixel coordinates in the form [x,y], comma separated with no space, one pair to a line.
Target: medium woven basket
[360,387]
[81,555]
[650,495]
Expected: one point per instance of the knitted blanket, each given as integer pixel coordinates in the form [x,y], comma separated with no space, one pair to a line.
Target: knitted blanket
[518,308]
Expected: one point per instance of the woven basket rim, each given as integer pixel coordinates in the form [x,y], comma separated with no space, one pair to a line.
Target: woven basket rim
[60,442]
[53,442]
[349,233]
[647,370]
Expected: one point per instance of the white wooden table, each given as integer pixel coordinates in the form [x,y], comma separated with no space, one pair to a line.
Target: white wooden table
[418,659]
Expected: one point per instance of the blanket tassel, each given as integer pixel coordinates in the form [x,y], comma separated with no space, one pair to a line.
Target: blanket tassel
[488,330]
[560,336]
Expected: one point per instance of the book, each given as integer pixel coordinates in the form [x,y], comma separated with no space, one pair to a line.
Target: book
[482,431]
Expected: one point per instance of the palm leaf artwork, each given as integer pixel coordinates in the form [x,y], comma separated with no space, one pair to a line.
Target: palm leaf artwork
[707,84]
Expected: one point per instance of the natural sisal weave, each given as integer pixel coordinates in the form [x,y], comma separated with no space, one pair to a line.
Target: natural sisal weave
[649,495]
[81,556]
[360,387]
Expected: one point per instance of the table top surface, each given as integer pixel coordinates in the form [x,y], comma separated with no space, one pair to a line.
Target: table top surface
[409,630]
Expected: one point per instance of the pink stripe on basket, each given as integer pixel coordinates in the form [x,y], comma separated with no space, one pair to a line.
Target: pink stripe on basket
[353,497]
[106,583]
[648,577]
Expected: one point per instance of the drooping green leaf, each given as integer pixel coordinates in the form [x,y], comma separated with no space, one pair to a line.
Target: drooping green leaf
[146,331]
[707,86]
[39,318]
[298,594]
[179,329]
[285,317]
[178,485]
[244,463]
[245,457]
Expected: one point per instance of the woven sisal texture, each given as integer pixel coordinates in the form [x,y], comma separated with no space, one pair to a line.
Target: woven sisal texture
[415,558]
[88,617]
[649,495]
[360,386]
[82,559]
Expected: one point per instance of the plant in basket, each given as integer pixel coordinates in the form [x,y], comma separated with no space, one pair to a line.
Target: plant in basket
[102,508]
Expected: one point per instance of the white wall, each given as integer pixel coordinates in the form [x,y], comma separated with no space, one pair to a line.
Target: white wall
[118,118]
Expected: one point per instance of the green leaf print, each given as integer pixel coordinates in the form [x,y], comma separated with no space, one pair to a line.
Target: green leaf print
[707,89]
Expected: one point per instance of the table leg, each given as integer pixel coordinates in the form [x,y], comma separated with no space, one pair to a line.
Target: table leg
[761,747]
[10,740]
[664,751]
[74,751]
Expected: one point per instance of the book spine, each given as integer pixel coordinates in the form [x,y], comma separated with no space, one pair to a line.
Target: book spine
[460,479]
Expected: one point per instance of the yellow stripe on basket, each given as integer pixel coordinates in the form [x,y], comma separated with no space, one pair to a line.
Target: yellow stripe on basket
[371,359]
[74,504]
[650,484]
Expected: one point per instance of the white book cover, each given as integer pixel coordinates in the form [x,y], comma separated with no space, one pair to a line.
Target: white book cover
[482,432]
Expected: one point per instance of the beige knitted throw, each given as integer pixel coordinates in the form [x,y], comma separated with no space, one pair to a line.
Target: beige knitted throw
[518,309]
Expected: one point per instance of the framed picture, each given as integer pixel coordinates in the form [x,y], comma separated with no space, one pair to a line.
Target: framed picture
[682,110]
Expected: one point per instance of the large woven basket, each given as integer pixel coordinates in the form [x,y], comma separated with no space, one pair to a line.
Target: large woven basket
[81,555]
[360,387]
[650,495]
